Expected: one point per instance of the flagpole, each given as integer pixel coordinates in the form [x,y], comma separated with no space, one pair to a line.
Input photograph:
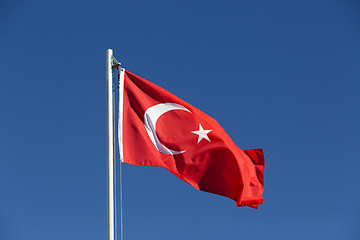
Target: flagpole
[110,146]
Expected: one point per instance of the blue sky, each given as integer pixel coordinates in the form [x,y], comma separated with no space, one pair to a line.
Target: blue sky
[278,75]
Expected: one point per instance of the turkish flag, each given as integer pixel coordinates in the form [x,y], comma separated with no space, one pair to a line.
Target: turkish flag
[156,128]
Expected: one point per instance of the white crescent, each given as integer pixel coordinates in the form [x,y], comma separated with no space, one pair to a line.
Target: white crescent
[151,116]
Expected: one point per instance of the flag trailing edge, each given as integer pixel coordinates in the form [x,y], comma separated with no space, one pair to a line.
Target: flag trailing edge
[173,134]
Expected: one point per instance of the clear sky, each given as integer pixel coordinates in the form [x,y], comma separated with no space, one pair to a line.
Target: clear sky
[278,75]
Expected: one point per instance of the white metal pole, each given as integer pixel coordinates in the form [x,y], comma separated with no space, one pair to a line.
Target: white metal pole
[110,145]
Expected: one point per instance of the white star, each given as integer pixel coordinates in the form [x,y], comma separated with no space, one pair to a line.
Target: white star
[202,133]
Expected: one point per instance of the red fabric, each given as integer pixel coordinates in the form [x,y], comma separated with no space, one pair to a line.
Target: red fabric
[216,166]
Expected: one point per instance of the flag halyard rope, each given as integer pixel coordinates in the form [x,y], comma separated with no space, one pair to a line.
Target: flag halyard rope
[117,65]
[120,167]
[114,161]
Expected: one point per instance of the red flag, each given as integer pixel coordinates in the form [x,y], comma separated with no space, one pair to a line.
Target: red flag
[156,128]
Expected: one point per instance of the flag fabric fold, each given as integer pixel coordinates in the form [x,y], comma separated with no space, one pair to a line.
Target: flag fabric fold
[156,128]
